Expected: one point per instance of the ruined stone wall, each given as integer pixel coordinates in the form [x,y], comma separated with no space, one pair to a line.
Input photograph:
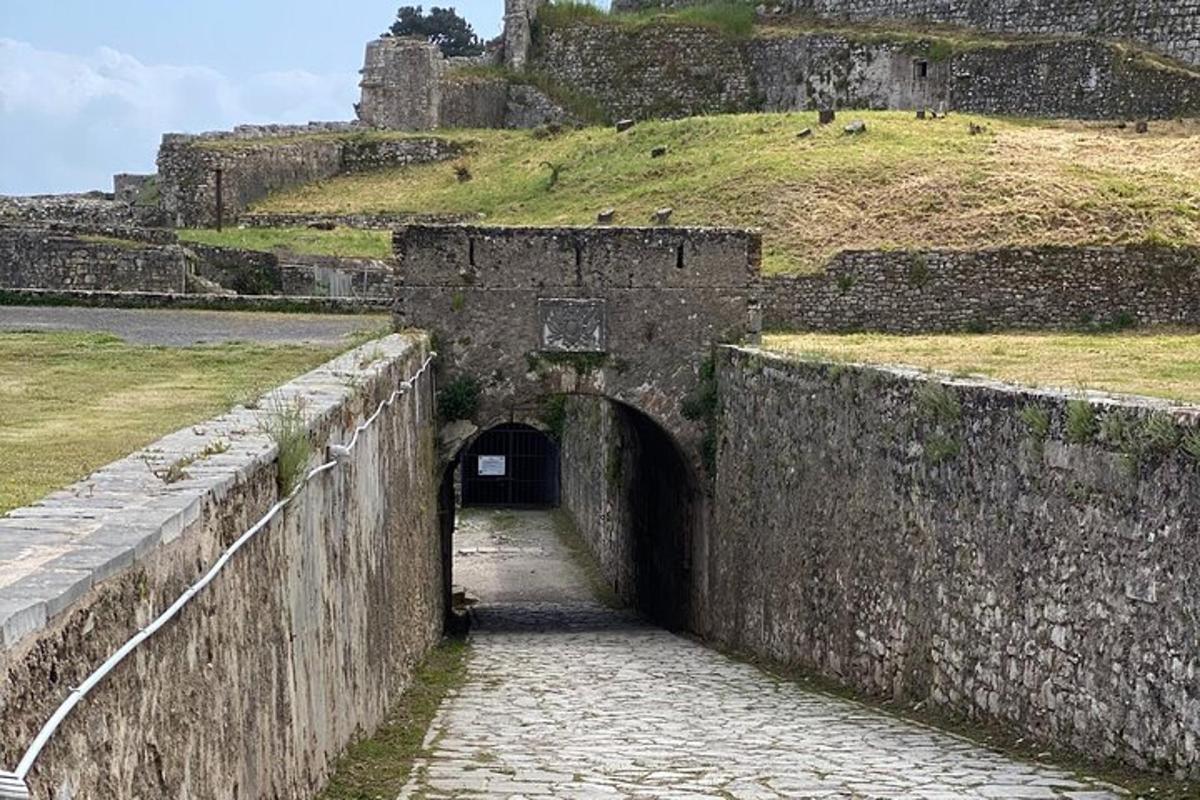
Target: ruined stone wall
[945,542]
[1041,287]
[240,271]
[652,71]
[254,166]
[93,208]
[187,169]
[303,641]
[38,258]
[401,84]
[1169,26]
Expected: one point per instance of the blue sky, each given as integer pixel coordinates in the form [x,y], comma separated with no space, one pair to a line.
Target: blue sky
[87,87]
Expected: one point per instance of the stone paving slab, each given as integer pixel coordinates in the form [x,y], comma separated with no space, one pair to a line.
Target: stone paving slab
[570,699]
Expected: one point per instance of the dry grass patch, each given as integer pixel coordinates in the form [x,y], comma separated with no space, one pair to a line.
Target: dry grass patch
[905,184]
[1157,363]
[72,402]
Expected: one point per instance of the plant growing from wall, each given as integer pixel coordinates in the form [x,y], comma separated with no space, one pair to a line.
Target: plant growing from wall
[937,403]
[285,424]
[1037,425]
[918,271]
[1160,435]
[1081,422]
[1191,444]
[554,415]
[703,406]
[458,399]
[939,447]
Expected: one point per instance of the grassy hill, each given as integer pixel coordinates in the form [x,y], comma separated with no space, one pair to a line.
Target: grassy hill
[904,184]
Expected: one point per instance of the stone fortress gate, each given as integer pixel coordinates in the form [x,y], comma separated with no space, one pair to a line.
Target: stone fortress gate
[626,313]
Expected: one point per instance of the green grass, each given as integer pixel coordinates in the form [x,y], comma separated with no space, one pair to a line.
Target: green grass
[343,242]
[378,767]
[72,402]
[905,184]
[735,19]
[1162,363]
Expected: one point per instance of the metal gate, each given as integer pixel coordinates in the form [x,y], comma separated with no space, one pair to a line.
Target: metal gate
[511,465]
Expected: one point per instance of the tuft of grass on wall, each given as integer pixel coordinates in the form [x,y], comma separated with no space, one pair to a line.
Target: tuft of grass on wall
[1191,444]
[459,399]
[1081,422]
[285,424]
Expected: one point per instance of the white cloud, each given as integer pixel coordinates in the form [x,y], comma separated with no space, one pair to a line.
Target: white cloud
[68,121]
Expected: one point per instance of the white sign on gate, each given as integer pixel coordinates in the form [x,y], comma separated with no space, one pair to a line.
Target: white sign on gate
[492,466]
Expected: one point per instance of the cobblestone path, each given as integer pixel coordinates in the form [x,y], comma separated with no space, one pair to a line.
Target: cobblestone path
[567,698]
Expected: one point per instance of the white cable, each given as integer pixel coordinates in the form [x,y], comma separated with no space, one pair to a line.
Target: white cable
[78,693]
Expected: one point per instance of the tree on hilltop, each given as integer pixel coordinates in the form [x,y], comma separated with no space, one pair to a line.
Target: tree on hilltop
[441,26]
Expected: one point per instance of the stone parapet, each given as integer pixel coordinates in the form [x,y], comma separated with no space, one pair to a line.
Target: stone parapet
[302,643]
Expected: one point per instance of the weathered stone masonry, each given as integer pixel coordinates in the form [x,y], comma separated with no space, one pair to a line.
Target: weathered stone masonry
[1037,287]
[37,258]
[928,540]
[653,71]
[304,641]
[1168,26]
[251,168]
[628,313]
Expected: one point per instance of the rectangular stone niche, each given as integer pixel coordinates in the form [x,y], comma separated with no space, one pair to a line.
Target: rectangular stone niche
[572,326]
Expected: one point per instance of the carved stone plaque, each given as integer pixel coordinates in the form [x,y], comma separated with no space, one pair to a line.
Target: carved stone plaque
[572,326]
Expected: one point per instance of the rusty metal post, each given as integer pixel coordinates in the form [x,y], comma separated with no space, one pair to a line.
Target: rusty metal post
[220,203]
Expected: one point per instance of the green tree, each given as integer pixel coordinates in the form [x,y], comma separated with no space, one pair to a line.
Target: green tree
[441,26]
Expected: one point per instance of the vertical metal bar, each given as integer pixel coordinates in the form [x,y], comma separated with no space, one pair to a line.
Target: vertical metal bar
[220,200]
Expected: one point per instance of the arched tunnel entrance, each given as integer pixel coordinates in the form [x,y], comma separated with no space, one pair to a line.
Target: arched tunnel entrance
[614,473]
[511,465]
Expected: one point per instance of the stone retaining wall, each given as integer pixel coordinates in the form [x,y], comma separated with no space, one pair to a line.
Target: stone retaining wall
[93,208]
[1168,26]
[1042,287]
[650,70]
[35,258]
[252,167]
[299,645]
[949,542]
